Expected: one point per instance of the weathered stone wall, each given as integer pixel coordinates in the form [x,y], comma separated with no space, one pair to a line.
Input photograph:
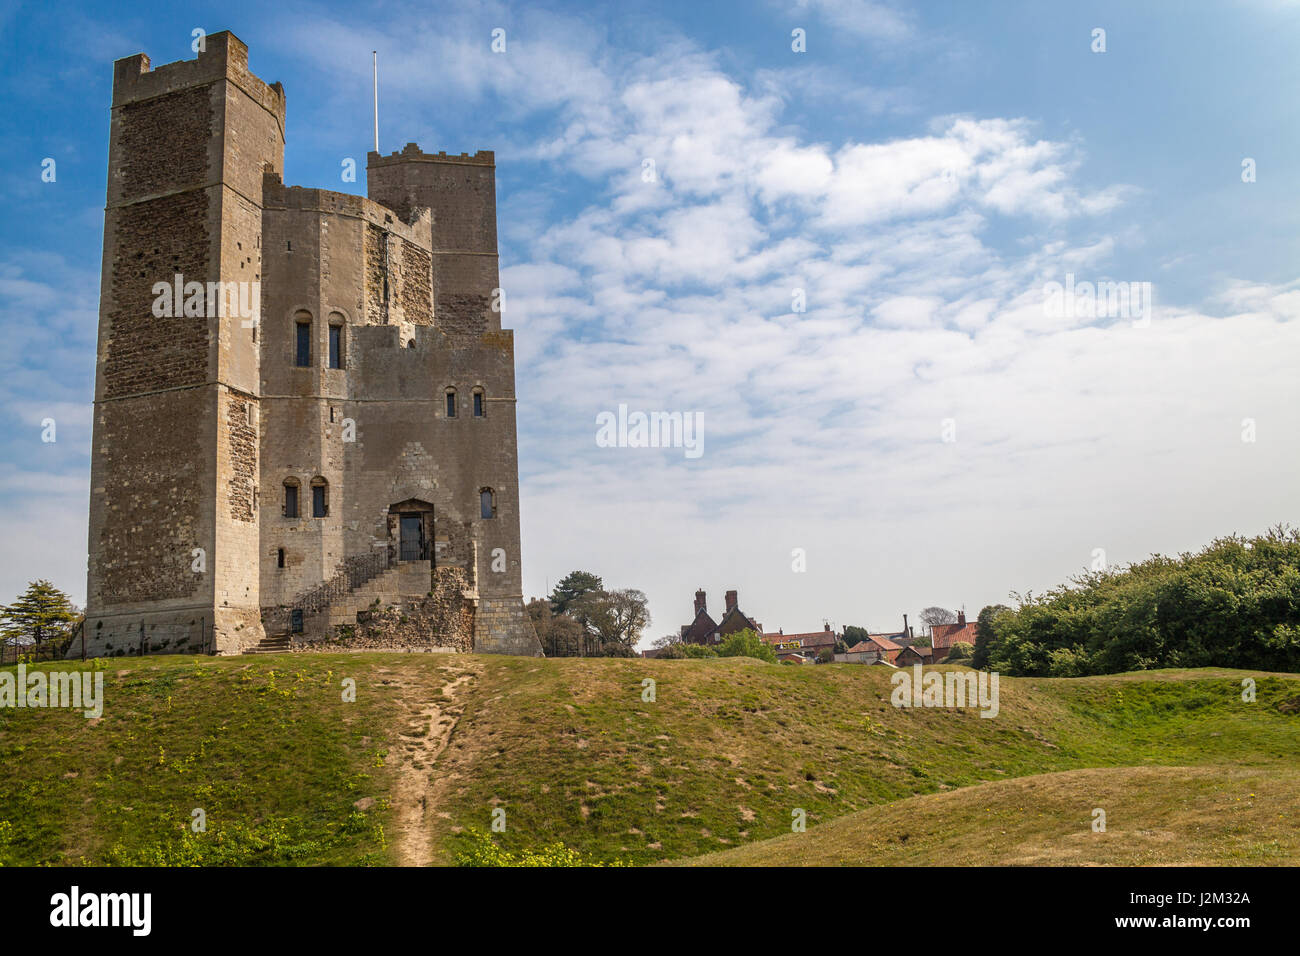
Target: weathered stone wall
[201,420]
[170,547]
[444,619]
[241,477]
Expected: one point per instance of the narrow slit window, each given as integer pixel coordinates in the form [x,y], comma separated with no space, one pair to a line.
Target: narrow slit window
[302,352]
[319,498]
[336,346]
[291,499]
[451,403]
[478,404]
[279,558]
[487,503]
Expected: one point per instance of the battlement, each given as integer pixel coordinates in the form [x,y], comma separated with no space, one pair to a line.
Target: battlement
[411,153]
[275,195]
[224,57]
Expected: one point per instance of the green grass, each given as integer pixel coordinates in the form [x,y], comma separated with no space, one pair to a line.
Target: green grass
[568,749]
[265,746]
[1155,816]
[731,748]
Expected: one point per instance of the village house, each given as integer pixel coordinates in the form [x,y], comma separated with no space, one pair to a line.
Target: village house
[704,630]
[914,654]
[874,650]
[944,636]
[802,648]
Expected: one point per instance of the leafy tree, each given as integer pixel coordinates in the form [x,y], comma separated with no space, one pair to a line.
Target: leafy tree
[612,620]
[1236,603]
[41,613]
[960,651]
[980,658]
[825,656]
[745,643]
[572,587]
[668,640]
[561,635]
[854,635]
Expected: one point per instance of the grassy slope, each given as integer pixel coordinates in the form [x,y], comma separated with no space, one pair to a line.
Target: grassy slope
[1155,816]
[731,747]
[569,749]
[266,747]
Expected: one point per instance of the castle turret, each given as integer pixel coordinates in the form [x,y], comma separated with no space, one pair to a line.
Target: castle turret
[173,535]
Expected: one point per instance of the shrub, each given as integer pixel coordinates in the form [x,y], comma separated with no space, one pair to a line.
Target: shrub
[960,651]
[697,650]
[1236,603]
[746,644]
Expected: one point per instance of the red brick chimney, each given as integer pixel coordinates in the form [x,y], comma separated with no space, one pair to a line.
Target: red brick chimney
[961,618]
[826,627]
[699,602]
[731,601]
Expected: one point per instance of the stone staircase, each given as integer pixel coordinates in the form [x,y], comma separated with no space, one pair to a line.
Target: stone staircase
[273,644]
[405,581]
[399,583]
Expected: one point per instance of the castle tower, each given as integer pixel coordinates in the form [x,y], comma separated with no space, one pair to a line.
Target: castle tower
[304,402]
[478,452]
[173,538]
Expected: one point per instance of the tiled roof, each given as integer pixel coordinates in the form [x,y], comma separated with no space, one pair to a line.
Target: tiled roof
[811,639]
[875,642]
[946,635]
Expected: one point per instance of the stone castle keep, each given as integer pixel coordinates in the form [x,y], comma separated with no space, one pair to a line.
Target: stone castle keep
[338,468]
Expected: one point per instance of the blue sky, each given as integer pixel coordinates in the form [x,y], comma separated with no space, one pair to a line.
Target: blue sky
[920,172]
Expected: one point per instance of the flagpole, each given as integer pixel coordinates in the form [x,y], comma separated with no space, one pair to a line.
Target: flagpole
[375,54]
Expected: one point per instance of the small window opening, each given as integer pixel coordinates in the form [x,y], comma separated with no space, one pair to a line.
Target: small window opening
[291,499]
[319,498]
[336,346]
[302,353]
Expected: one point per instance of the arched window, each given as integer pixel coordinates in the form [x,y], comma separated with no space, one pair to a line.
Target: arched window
[291,497]
[487,503]
[451,403]
[479,408]
[320,502]
[336,340]
[302,339]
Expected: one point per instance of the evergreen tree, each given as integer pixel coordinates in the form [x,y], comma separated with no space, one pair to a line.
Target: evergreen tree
[42,613]
[573,586]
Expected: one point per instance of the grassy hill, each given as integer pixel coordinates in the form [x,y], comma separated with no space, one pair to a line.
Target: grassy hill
[1155,816]
[287,772]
